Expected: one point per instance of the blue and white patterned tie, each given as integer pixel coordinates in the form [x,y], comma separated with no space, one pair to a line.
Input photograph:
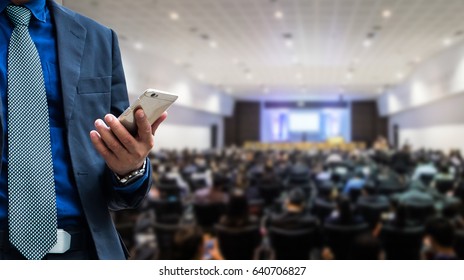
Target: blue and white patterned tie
[31,188]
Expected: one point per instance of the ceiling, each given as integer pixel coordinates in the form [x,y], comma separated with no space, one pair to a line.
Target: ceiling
[259,48]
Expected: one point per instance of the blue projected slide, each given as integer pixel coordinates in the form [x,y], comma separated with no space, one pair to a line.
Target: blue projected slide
[304,122]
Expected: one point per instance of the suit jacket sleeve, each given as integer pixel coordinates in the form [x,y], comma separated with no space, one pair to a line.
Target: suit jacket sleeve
[120,199]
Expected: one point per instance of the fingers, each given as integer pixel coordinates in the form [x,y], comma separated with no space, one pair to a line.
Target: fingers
[143,127]
[154,127]
[109,139]
[101,147]
[122,135]
[122,151]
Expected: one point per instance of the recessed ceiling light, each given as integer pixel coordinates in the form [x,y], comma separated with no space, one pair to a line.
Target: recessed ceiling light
[138,46]
[213,44]
[386,13]
[417,59]
[289,43]
[349,76]
[173,16]
[249,76]
[278,15]
[367,43]
[400,75]
[447,42]
[201,76]
[298,76]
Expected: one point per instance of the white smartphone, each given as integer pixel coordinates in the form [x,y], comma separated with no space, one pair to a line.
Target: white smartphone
[153,102]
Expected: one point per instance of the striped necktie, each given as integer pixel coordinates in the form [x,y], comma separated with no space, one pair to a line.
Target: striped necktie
[31,188]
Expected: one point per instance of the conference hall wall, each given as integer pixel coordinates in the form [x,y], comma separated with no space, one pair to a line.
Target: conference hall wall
[426,110]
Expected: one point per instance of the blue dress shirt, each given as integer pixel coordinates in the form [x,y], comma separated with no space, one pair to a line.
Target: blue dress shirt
[42,31]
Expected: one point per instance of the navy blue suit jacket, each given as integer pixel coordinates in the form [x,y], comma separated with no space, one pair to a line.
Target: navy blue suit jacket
[93,84]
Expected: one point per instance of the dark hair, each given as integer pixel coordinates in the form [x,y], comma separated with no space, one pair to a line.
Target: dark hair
[220,181]
[370,187]
[237,210]
[441,231]
[366,247]
[443,167]
[187,243]
[296,196]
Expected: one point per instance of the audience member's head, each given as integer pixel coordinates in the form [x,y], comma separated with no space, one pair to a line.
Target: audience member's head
[443,168]
[359,174]
[220,181]
[188,243]
[370,188]
[295,201]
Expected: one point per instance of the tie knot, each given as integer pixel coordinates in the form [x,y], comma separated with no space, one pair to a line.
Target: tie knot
[18,15]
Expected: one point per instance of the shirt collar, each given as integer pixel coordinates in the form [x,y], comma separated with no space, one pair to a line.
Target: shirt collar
[37,8]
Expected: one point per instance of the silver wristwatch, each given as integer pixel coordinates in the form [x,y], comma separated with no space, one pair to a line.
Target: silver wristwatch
[133,176]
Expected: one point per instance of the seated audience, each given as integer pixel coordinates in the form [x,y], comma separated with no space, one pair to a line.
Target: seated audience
[355,183]
[191,243]
[344,214]
[237,214]
[424,166]
[440,236]
[213,194]
[314,179]
[294,216]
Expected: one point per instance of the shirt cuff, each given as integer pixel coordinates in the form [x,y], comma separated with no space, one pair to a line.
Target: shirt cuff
[132,187]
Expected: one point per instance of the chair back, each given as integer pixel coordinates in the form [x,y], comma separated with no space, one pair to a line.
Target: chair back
[340,238]
[293,244]
[444,186]
[420,212]
[459,244]
[208,214]
[322,209]
[270,192]
[238,243]
[165,239]
[167,211]
[402,243]
[371,212]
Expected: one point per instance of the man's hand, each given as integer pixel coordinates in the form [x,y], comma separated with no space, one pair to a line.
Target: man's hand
[123,152]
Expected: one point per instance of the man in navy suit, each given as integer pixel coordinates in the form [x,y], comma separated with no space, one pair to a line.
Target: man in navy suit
[98,166]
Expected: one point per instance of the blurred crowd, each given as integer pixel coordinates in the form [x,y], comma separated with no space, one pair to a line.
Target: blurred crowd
[233,203]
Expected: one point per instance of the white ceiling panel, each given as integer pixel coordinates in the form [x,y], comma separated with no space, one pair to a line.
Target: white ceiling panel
[316,44]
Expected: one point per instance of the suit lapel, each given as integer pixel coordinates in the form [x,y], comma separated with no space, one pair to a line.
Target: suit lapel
[70,36]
